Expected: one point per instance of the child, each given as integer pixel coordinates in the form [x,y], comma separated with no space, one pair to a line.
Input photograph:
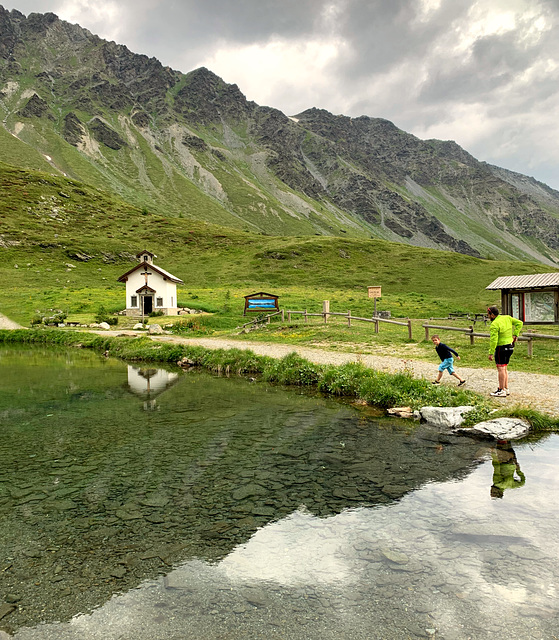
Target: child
[445,354]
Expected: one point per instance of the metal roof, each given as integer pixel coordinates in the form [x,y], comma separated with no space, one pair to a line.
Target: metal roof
[526,282]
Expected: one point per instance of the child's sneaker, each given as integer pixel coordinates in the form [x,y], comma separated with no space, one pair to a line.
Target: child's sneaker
[507,392]
[436,382]
[461,383]
[500,393]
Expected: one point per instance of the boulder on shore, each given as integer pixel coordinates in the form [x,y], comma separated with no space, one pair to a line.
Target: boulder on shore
[498,429]
[155,328]
[444,417]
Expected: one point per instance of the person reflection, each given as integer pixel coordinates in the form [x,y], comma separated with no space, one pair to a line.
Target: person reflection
[505,466]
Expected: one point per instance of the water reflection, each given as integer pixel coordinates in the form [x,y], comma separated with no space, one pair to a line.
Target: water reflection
[264,513]
[445,561]
[149,382]
[506,470]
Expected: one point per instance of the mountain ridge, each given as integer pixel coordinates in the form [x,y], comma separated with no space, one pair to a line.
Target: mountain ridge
[191,145]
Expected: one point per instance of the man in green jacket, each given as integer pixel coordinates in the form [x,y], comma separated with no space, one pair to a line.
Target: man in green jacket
[504,331]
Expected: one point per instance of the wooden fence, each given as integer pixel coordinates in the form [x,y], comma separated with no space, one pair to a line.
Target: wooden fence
[265,319]
[376,320]
[528,336]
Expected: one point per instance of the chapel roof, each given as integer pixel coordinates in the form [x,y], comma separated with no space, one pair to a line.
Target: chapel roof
[159,270]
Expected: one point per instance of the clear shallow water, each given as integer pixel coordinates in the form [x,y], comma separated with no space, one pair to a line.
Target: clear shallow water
[144,503]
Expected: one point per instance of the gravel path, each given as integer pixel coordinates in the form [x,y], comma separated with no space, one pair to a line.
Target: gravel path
[528,389]
[6,323]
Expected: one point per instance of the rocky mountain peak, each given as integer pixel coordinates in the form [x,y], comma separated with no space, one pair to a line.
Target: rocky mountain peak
[155,134]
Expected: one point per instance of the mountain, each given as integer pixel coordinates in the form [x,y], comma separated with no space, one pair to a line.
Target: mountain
[192,146]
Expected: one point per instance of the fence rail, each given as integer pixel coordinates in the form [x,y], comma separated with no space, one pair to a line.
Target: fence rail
[266,319]
[375,319]
[526,337]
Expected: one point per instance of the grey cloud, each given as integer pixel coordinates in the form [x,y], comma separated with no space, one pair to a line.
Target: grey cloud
[387,34]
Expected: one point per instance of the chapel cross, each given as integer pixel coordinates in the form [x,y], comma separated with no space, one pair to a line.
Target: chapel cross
[146,273]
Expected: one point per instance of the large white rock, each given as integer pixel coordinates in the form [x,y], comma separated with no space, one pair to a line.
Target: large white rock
[138,325]
[104,325]
[444,417]
[498,429]
[155,328]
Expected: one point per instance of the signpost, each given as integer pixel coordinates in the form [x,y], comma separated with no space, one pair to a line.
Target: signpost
[374,292]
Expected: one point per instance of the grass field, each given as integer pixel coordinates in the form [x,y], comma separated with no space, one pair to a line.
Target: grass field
[63,245]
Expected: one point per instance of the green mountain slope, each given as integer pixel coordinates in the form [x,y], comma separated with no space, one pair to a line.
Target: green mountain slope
[63,244]
[192,146]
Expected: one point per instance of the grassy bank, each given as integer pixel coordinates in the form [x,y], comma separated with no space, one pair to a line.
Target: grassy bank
[351,380]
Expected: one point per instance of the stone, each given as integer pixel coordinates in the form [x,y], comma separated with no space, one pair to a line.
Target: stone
[248,491]
[155,500]
[138,325]
[104,325]
[444,417]
[401,412]
[118,572]
[186,362]
[498,429]
[155,329]
[395,556]
[6,609]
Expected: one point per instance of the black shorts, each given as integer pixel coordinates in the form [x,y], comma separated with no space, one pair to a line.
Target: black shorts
[503,354]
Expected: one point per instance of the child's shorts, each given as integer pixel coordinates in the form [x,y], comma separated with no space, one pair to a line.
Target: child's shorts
[447,364]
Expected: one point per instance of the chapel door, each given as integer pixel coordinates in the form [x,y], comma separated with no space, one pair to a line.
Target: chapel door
[148,305]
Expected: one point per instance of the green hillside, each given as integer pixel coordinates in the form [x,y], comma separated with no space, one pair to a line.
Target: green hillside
[191,146]
[63,245]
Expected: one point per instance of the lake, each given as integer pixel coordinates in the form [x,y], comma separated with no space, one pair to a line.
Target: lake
[141,502]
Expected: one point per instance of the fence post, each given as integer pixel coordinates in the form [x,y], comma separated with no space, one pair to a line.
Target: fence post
[268,320]
[306,317]
[472,338]
[427,332]
[410,336]
[349,318]
[530,348]
[288,316]
[377,323]
[282,315]
[325,310]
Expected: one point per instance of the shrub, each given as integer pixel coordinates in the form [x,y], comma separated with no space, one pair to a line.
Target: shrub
[103,315]
[50,316]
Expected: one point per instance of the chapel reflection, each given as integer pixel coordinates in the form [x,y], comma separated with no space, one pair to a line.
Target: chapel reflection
[148,383]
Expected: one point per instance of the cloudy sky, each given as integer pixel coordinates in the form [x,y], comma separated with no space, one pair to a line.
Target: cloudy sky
[484,73]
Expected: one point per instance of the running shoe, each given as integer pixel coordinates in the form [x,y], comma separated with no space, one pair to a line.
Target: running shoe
[500,393]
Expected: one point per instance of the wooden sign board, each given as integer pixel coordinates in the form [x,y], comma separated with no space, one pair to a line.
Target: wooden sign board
[374,292]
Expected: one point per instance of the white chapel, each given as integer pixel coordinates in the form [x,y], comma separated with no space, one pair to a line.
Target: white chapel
[150,288]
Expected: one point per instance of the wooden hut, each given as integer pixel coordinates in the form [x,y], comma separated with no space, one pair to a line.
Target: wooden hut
[534,299]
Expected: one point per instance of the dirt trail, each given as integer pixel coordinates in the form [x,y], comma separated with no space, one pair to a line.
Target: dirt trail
[6,323]
[528,389]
